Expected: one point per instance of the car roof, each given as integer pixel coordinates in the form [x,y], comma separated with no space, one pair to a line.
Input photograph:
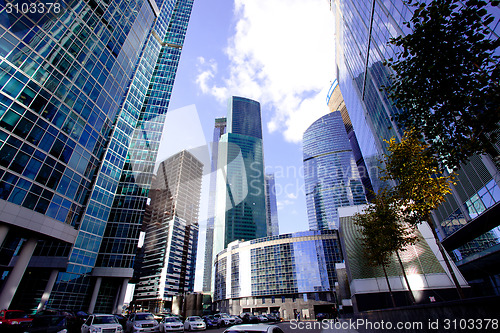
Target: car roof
[250,327]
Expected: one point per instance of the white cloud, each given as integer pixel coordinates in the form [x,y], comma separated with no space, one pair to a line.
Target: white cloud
[282,203]
[281,54]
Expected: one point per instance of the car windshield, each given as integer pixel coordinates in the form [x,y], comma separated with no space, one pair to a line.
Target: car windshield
[194,318]
[15,315]
[144,316]
[104,320]
[224,316]
[171,320]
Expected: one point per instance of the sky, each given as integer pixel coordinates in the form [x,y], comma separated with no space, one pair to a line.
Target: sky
[280,53]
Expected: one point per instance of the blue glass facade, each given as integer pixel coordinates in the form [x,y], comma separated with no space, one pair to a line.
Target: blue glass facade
[331,176]
[84,93]
[363,30]
[240,194]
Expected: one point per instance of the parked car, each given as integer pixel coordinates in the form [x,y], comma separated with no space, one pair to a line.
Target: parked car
[101,323]
[142,322]
[320,316]
[81,317]
[249,318]
[122,320]
[171,324]
[48,324]
[194,323]
[254,328]
[237,320]
[262,319]
[72,321]
[211,321]
[272,317]
[225,319]
[14,320]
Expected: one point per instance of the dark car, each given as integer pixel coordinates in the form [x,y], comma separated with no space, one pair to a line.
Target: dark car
[73,322]
[211,321]
[249,318]
[48,324]
[320,316]
[122,320]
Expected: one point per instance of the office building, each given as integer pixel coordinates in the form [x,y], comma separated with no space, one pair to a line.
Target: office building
[219,130]
[331,176]
[336,103]
[466,222]
[287,274]
[240,193]
[171,240]
[79,130]
[273,228]
[426,271]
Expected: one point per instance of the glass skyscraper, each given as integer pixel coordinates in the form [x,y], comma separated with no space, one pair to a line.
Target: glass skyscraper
[466,222]
[240,193]
[85,86]
[219,130]
[171,240]
[331,176]
[273,228]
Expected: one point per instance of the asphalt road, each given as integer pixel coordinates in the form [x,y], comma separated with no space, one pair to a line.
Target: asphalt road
[305,327]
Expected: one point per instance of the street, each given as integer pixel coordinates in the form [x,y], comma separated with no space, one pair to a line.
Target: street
[305,327]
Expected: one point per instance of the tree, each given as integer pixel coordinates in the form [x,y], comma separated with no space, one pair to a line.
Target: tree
[446,78]
[384,234]
[420,186]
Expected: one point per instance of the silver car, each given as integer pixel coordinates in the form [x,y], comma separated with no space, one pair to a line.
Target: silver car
[254,328]
[142,322]
[194,323]
[171,324]
[105,323]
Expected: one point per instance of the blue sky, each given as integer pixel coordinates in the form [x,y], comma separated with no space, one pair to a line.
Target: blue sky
[278,52]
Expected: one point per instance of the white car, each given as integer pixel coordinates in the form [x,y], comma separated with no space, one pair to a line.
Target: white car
[171,324]
[101,323]
[194,323]
[225,319]
[143,322]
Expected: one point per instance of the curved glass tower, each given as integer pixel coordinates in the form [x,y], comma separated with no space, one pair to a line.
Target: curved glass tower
[330,172]
[85,86]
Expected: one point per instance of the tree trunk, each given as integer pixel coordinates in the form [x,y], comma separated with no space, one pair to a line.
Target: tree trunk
[412,298]
[445,258]
[389,285]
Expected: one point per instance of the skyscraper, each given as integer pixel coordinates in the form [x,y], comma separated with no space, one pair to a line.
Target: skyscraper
[219,130]
[171,240]
[271,206]
[331,176]
[240,194]
[336,103]
[80,124]
[466,222]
